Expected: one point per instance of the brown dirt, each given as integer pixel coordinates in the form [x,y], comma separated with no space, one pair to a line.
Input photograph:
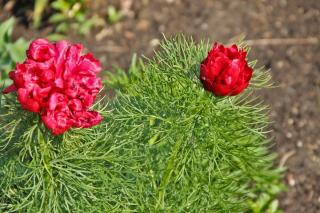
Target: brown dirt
[294,64]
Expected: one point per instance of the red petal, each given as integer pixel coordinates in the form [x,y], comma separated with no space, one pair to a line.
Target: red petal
[26,102]
[57,122]
[75,105]
[88,65]
[72,60]
[40,50]
[57,99]
[60,57]
[12,75]
[11,88]
[88,119]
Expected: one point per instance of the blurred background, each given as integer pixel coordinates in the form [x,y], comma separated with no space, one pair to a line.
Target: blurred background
[284,35]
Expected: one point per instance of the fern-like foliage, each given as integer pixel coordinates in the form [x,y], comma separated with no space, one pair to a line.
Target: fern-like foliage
[165,145]
[201,153]
[81,171]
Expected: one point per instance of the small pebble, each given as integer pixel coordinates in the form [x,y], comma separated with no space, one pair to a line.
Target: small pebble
[300,143]
[143,25]
[154,42]
[289,135]
[301,123]
[204,26]
[291,180]
[280,64]
[295,110]
[162,28]
[129,34]
[290,121]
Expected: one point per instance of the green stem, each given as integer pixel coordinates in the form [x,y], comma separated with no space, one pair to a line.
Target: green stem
[172,161]
[167,174]
[46,164]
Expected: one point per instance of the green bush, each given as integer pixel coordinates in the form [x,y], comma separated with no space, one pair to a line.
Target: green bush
[165,145]
[199,152]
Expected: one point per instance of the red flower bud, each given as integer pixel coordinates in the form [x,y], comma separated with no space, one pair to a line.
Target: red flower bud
[225,71]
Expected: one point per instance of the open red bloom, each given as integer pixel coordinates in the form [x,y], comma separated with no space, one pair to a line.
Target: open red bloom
[225,71]
[59,83]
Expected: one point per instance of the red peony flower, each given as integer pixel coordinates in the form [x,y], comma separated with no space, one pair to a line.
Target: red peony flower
[225,71]
[59,83]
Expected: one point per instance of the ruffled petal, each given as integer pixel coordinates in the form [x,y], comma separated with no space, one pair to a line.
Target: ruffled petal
[27,102]
[87,119]
[88,65]
[40,50]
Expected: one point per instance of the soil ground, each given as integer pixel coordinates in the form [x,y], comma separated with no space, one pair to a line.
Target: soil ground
[293,60]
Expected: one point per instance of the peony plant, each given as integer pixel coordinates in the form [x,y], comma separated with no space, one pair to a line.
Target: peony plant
[184,133]
[192,116]
[53,141]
